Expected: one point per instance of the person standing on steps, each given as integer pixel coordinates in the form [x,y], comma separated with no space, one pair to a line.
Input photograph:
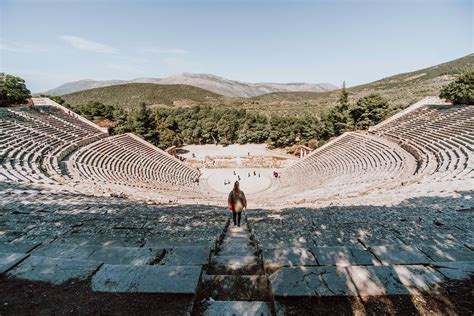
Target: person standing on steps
[237,202]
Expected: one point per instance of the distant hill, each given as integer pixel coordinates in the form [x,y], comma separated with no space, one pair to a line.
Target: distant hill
[232,88]
[213,83]
[131,94]
[401,90]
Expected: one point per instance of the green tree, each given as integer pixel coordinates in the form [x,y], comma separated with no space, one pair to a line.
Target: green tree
[461,91]
[120,121]
[368,110]
[142,122]
[344,98]
[13,90]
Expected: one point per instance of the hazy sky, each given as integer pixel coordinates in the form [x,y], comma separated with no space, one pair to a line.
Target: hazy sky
[52,42]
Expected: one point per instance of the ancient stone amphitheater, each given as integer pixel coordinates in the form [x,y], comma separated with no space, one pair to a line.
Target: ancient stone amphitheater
[378,214]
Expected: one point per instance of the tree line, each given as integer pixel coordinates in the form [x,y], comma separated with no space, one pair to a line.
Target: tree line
[166,127]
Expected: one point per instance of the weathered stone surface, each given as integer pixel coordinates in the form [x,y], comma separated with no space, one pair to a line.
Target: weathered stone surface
[165,243]
[238,287]
[289,282]
[54,270]
[235,264]
[67,251]
[18,247]
[376,280]
[186,256]
[237,308]
[229,248]
[147,279]
[126,255]
[343,256]
[9,260]
[313,281]
[455,270]
[447,252]
[336,282]
[418,278]
[288,257]
[389,255]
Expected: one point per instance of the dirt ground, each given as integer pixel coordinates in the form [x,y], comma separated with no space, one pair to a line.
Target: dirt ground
[18,297]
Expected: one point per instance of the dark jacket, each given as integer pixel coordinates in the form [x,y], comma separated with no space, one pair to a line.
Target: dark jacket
[232,200]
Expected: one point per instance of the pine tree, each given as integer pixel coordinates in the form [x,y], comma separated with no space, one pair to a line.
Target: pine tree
[344,98]
[143,123]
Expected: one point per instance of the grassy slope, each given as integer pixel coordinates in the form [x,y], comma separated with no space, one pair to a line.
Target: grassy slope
[131,94]
[401,90]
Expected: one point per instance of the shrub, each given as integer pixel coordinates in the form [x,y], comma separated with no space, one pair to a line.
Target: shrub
[461,91]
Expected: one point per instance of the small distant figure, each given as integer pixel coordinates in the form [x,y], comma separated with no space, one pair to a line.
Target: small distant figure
[249,174]
[234,173]
[259,174]
[238,177]
[248,154]
[254,173]
[194,155]
[275,174]
[237,202]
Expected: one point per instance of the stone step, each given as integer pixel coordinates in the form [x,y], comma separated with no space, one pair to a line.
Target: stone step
[236,248]
[236,238]
[235,265]
[236,287]
[237,308]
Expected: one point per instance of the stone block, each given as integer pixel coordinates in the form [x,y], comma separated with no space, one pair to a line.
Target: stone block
[455,270]
[343,256]
[186,256]
[397,254]
[8,260]
[147,279]
[67,251]
[313,281]
[418,278]
[126,255]
[18,247]
[376,280]
[447,252]
[54,270]
[288,257]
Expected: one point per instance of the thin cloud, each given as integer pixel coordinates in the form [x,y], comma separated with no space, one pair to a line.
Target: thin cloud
[17,47]
[87,45]
[158,50]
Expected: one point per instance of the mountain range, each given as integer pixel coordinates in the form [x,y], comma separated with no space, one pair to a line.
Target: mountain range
[213,83]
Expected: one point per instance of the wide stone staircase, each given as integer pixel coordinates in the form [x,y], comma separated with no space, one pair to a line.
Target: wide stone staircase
[235,282]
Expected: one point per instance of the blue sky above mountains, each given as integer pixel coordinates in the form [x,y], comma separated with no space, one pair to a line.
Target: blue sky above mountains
[52,42]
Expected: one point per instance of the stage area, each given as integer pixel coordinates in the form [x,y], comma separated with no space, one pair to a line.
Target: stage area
[202,151]
[252,180]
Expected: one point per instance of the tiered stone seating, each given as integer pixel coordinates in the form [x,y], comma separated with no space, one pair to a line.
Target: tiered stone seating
[34,139]
[362,251]
[441,137]
[129,161]
[354,161]
[162,249]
